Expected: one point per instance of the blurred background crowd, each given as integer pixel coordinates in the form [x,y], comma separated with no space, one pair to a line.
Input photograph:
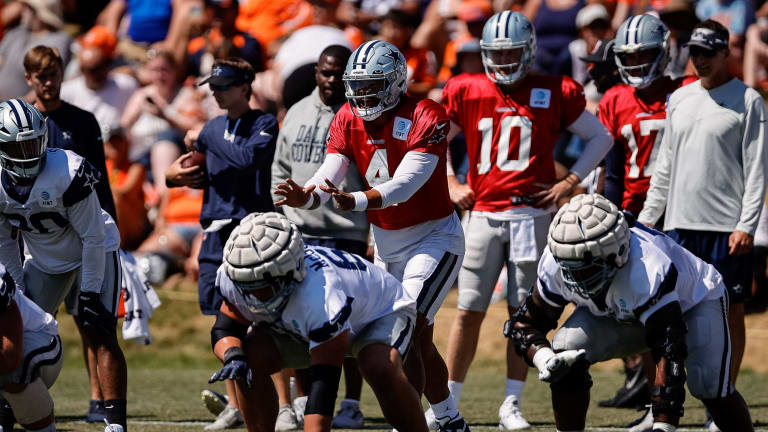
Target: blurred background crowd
[135,65]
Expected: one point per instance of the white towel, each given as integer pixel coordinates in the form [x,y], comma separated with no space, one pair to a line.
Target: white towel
[140,300]
[522,240]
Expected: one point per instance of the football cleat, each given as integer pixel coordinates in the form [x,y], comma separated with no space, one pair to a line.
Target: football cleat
[348,416]
[113,427]
[456,424]
[96,412]
[634,392]
[643,424]
[299,405]
[286,419]
[510,416]
[215,402]
[429,416]
[230,418]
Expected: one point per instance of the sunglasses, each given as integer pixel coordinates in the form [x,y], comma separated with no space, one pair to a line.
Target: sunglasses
[698,51]
[222,87]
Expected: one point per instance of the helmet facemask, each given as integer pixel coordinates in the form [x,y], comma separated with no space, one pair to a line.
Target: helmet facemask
[375,77]
[506,62]
[365,96]
[587,278]
[642,75]
[281,288]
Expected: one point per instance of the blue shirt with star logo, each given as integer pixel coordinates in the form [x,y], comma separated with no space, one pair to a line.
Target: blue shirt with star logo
[71,128]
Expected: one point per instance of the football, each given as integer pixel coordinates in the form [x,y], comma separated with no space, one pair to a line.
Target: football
[196,159]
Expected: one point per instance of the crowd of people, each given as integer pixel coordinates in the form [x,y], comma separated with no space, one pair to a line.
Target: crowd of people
[289,155]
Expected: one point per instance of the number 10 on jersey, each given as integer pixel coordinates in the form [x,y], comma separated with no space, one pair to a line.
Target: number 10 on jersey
[523,128]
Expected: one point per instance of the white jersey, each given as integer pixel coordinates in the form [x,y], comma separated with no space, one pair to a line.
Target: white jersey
[59,219]
[35,319]
[341,291]
[658,272]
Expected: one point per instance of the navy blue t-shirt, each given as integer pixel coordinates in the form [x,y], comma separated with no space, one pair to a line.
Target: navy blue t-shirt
[71,128]
[238,161]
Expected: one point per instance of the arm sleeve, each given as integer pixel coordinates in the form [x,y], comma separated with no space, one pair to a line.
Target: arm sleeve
[614,174]
[10,255]
[86,219]
[754,163]
[589,128]
[281,165]
[259,145]
[656,200]
[334,168]
[412,173]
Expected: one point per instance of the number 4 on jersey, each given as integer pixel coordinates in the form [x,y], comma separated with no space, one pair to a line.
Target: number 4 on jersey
[378,169]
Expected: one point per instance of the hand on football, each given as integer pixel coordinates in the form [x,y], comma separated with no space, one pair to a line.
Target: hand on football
[344,200]
[294,195]
[558,365]
[740,243]
[462,195]
[193,177]
[191,137]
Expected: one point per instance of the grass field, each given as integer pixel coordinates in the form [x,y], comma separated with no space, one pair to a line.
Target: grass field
[166,377]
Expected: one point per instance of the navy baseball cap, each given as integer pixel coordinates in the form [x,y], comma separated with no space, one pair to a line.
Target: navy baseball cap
[708,39]
[602,53]
[225,75]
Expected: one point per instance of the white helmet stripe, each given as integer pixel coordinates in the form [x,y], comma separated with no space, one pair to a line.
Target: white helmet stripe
[633,28]
[18,109]
[364,49]
[506,24]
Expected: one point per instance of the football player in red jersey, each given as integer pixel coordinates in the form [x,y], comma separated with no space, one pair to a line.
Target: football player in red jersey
[634,111]
[511,120]
[398,144]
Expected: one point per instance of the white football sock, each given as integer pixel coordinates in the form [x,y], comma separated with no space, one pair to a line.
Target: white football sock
[455,388]
[445,411]
[515,388]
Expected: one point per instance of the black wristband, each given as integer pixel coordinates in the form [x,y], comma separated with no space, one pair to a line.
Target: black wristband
[234,353]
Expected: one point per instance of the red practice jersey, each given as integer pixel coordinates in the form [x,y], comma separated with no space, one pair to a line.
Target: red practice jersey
[511,138]
[638,126]
[417,125]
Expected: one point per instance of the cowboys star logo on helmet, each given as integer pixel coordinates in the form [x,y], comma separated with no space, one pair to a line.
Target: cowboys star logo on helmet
[642,50]
[23,138]
[508,47]
[375,77]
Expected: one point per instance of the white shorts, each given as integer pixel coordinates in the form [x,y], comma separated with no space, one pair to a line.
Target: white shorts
[42,358]
[708,342]
[489,246]
[427,274]
[49,290]
[394,329]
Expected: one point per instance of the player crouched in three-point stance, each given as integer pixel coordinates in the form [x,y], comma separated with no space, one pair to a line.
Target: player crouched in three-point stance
[47,196]
[398,144]
[309,307]
[635,289]
[30,357]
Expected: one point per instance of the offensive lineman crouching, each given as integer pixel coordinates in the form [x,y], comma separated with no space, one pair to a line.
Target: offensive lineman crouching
[634,289]
[309,307]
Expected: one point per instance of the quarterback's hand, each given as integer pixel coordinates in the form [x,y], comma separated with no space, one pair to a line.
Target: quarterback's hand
[294,195]
[92,313]
[462,195]
[552,195]
[552,367]
[191,137]
[740,243]
[344,200]
[235,367]
[193,177]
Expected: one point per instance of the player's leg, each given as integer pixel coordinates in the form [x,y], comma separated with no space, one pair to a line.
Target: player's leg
[96,405]
[483,260]
[380,348]
[708,343]
[267,354]
[603,338]
[102,337]
[286,418]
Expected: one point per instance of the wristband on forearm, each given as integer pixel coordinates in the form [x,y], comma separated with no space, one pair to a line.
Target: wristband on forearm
[361,201]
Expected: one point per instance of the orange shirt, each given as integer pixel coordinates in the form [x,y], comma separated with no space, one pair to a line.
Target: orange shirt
[184,205]
[131,214]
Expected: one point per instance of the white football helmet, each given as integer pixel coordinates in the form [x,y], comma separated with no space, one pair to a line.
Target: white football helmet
[504,34]
[642,33]
[589,239]
[375,77]
[265,251]
[23,139]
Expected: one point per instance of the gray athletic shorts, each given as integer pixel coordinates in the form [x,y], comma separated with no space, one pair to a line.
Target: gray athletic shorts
[49,290]
[708,341]
[394,330]
[488,249]
[42,358]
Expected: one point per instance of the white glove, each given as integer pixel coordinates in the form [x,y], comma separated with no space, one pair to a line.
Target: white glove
[553,366]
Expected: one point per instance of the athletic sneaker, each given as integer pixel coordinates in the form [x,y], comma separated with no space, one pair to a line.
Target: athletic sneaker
[96,412]
[634,392]
[230,418]
[286,419]
[348,416]
[299,404]
[457,424]
[710,424]
[114,427]
[643,424]
[215,402]
[510,417]
[429,416]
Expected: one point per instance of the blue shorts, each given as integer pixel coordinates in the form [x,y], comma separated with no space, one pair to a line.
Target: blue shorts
[352,246]
[712,247]
[211,256]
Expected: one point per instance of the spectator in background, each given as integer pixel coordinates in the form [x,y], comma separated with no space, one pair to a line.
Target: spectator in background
[472,15]
[300,152]
[126,180]
[555,23]
[239,148]
[397,27]
[41,25]
[679,17]
[159,114]
[71,128]
[710,174]
[103,93]
[736,16]
[603,74]
[594,24]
